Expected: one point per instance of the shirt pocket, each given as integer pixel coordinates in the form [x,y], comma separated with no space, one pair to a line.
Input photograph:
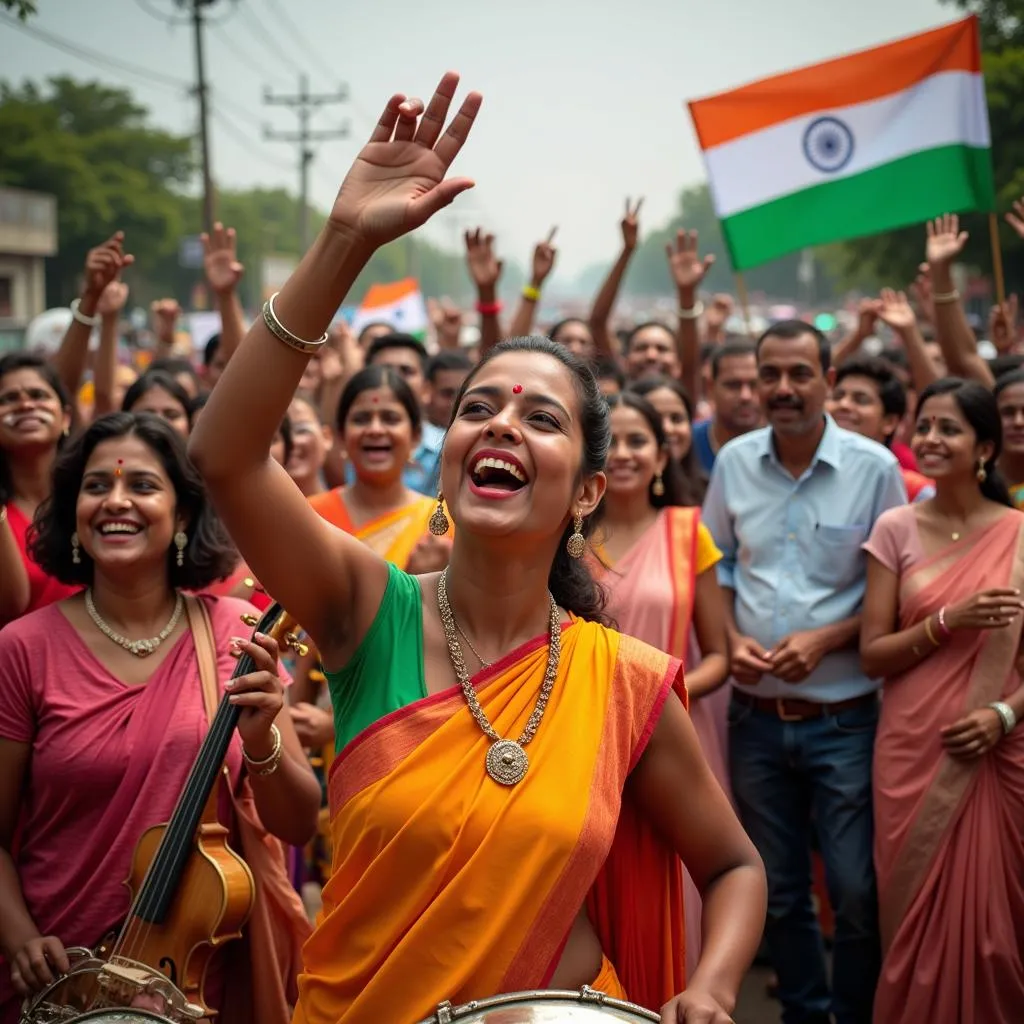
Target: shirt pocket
[835,559]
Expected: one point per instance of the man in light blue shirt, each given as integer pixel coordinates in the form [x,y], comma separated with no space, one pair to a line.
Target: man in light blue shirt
[790,505]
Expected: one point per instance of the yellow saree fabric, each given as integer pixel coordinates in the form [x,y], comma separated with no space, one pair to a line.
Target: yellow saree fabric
[448,886]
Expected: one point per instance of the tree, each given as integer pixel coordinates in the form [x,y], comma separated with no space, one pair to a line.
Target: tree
[91,147]
[22,8]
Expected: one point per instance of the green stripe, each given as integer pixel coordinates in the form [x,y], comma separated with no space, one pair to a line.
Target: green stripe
[949,179]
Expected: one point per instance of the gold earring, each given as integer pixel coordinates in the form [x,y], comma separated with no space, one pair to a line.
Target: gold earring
[438,523]
[658,487]
[981,474]
[76,558]
[180,542]
[576,544]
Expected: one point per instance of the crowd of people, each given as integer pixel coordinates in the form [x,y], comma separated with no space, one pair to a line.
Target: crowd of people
[614,635]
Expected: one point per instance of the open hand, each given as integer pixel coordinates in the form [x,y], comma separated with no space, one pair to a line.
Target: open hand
[544,259]
[164,314]
[718,311]
[484,267]
[694,1007]
[398,180]
[37,964]
[945,239]
[922,291]
[688,269]
[104,263]
[259,694]
[1002,325]
[796,656]
[220,259]
[630,225]
[894,310]
[973,735]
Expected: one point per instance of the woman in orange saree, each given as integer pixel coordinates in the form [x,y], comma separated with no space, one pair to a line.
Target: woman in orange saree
[654,557]
[942,624]
[488,824]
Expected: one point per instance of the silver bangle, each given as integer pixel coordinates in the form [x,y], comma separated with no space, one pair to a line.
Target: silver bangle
[269,764]
[1006,715]
[88,321]
[282,333]
[694,313]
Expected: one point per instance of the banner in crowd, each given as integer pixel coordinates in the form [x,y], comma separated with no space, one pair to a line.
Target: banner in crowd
[851,147]
[399,303]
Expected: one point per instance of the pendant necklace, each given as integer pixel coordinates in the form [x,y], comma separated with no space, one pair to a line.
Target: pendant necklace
[140,648]
[507,762]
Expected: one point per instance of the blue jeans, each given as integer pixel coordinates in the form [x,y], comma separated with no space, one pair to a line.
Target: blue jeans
[791,780]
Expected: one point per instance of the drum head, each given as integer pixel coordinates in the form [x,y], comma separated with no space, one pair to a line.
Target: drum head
[119,1016]
[549,1008]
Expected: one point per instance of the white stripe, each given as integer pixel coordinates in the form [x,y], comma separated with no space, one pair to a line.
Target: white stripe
[945,109]
[406,315]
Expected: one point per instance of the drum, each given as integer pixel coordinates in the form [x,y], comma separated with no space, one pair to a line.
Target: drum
[583,1007]
[119,1017]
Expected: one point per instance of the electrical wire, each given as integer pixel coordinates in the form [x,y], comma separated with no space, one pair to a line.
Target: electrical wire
[304,46]
[266,39]
[249,144]
[171,22]
[241,56]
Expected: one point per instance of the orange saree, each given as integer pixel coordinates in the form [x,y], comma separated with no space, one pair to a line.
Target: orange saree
[448,886]
[949,834]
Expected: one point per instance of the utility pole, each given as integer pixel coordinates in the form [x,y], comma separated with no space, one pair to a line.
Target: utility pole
[305,103]
[196,7]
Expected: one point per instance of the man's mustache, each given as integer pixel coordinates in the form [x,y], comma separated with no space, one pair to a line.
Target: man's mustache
[786,403]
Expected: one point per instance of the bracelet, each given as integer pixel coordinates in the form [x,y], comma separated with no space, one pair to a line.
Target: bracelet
[88,321]
[930,633]
[269,764]
[693,313]
[1006,714]
[489,308]
[943,628]
[944,297]
[531,294]
[282,333]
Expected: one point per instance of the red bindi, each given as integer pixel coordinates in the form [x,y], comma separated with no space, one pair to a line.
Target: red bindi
[517,389]
[375,399]
[120,463]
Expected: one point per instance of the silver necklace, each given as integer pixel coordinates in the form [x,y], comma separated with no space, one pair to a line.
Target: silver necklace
[486,664]
[140,648]
[506,759]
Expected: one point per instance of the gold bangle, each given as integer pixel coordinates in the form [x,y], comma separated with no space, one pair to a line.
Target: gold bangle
[945,297]
[268,765]
[531,294]
[929,633]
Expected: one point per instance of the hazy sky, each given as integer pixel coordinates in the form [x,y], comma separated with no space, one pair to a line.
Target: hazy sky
[583,99]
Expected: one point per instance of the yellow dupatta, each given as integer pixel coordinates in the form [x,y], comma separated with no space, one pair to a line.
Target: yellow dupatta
[448,886]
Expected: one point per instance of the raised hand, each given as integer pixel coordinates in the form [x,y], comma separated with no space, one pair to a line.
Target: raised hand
[544,259]
[164,314]
[484,267]
[398,180]
[895,311]
[718,311]
[446,319]
[104,263]
[922,291]
[1016,218]
[220,259]
[630,225]
[945,239]
[686,265]
[112,299]
[1002,325]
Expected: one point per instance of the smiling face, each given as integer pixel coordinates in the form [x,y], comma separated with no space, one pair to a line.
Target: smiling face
[675,421]
[31,416]
[652,353]
[945,444]
[576,337]
[378,436]
[126,514]
[856,404]
[163,404]
[791,383]
[634,458]
[1011,413]
[511,463]
[311,441]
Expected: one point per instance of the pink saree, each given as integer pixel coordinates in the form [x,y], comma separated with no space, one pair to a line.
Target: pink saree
[949,834]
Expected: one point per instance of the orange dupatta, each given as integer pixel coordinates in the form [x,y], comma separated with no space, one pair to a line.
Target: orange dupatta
[393,535]
[447,886]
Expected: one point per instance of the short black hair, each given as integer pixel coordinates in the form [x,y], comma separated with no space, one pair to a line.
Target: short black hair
[730,350]
[1002,365]
[890,388]
[209,555]
[450,359]
[380,376]
[175,365]
[158,379]
[370,326]
[634,331]
[392,341]
[556,328]
[790,330]
[1007,380]
[210,349]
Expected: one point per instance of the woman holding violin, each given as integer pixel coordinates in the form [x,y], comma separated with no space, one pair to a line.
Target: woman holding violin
[102,711]
[485,840]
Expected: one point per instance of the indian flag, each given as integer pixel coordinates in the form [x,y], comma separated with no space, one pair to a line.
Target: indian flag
[854,146]
[399,303]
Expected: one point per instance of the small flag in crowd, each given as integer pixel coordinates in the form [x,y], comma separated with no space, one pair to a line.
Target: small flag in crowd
[851,147]
[399,303]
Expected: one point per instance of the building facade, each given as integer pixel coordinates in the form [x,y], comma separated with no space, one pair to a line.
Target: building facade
[28,234]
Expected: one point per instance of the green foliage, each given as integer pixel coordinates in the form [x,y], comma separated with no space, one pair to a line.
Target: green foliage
[22,8]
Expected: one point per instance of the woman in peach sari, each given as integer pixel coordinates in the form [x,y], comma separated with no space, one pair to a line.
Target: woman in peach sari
[654,557]
[942,625]
[485,839]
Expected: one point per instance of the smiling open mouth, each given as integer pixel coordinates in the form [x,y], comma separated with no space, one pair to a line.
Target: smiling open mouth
[498,474]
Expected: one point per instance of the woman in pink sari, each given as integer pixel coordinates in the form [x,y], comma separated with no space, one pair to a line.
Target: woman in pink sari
[942,625]
[655,559]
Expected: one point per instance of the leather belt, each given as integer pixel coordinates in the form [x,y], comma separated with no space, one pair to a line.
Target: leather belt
[793,709]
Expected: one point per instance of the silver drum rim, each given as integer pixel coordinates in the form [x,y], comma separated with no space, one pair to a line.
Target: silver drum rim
[586,997]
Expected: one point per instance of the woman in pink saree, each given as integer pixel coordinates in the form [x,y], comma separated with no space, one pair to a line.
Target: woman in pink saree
[655,560]
[942,625]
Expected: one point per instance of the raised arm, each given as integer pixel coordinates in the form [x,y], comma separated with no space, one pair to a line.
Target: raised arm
[850,343]
[485,269]
[223,272]
[329,581]
[104,370]
[544,254]
[604,302]
[688,271]
[894,310]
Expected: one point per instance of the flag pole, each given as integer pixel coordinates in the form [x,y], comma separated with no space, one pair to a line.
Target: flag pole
[741,292]
[997,258]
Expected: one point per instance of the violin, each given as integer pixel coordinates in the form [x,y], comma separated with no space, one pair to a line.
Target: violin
[191,892]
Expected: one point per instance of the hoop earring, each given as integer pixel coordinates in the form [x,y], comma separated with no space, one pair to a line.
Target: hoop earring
[981,474]
[658,487]
[438,523]
[576,544]
[180,542]
[76,558]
